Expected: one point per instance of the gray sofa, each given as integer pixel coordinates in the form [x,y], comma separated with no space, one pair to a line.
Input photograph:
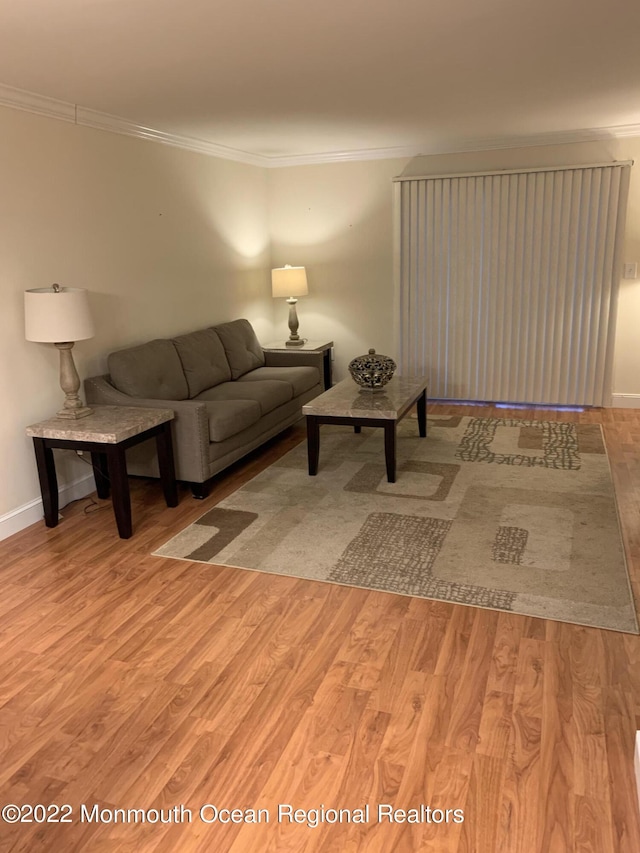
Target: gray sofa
[229,396]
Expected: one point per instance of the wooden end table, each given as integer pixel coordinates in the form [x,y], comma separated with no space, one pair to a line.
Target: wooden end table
[106,434]
[346,404]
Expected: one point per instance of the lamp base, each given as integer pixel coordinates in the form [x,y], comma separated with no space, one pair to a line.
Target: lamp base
[74,414]
[298,343]
[70,384]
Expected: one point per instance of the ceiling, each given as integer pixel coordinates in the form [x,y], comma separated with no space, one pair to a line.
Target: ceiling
[276,80]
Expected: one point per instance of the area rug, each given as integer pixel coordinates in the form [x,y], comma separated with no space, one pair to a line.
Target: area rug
[515,515]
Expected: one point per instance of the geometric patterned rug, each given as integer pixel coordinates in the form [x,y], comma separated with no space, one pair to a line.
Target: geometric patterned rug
[501,513]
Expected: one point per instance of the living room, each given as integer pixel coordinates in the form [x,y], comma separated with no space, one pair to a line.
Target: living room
[172,240]
[168,240]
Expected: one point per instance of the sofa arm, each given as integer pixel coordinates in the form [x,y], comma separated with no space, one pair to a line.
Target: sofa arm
[190,425]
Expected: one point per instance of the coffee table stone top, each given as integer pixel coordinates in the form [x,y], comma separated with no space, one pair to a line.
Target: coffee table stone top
[105,425]
[346,399]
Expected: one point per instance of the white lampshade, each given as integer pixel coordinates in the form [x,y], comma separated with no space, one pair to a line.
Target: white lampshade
[289,281]
[57,316]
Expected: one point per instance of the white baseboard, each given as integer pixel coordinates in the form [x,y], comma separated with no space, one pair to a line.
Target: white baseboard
[625,401]
[636,764]
[16,520]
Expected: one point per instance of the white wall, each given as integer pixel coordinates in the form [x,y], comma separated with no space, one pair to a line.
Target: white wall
[337,221]
[165,240]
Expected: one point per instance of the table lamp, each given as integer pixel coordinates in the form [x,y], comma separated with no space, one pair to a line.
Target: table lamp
[60,315]
[291,282]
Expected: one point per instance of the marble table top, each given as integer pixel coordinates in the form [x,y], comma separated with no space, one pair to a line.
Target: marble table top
[348,400]
[307,345]
[105,425]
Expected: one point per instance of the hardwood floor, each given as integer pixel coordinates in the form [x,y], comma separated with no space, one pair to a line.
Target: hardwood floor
[135,682]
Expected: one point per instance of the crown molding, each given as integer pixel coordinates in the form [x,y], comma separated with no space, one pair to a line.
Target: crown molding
[404,151]
[559,137]
[114,124]
[53,108]
[39,104]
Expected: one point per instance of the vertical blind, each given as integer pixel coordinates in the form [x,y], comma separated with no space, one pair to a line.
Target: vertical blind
[508,282]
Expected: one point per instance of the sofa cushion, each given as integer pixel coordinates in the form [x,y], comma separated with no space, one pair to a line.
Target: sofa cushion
[152,371]
[229,417]
[204,360]
[269,393]
[300,378]
[243,350]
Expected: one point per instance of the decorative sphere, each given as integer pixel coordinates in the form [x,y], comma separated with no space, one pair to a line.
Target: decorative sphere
[372,371]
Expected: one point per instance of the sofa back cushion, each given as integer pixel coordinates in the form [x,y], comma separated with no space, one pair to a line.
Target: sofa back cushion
[243,350]
[204,360]
[152,371]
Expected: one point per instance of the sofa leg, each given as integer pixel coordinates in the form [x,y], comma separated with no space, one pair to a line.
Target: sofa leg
[199,490]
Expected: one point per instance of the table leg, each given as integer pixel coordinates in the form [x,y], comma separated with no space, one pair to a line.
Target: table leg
[120,489]
[101,474]
[390,450]
[328,379]
[422,413]
[313,444]
[48,481]
[166,465]
[357,428]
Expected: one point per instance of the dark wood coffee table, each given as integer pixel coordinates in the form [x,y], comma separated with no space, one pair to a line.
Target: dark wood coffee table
[345,403]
